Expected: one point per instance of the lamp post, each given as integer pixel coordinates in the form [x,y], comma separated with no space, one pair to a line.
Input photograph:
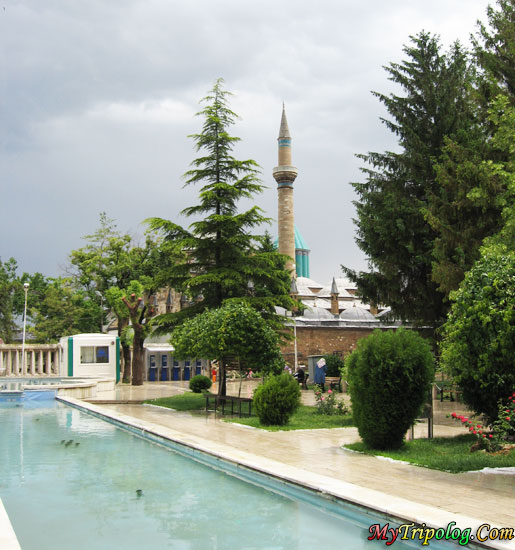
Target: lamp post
[294,293]
[26,289]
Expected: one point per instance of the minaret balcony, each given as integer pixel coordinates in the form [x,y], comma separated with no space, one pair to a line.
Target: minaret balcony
[285,174]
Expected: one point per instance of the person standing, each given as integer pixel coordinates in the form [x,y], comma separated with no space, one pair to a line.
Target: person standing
[320,371]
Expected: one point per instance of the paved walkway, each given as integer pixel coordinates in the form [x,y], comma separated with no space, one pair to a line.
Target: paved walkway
[486,497]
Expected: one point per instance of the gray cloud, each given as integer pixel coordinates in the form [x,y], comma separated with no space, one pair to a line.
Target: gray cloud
[97,100]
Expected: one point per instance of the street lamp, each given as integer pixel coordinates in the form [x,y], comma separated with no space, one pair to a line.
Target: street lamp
[26,289]
[294,293]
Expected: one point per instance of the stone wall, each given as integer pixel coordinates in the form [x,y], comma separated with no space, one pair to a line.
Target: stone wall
[323,340]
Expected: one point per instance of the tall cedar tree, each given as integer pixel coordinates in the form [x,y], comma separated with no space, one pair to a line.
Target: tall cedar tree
[219,257]
[392,227]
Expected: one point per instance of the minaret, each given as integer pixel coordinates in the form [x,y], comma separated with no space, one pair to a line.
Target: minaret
[285,175]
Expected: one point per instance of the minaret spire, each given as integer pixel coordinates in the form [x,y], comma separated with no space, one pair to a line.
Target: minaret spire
[285,174]
[284,131]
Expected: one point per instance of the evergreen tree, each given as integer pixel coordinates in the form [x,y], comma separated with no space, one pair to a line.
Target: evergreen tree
[392,226]
[219,256]
[494,50]
[473,174]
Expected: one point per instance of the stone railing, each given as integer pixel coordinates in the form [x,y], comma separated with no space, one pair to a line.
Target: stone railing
[40,360]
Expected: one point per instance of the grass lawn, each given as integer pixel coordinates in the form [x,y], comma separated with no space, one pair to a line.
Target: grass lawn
[305,418]
[187,401]
[450,454]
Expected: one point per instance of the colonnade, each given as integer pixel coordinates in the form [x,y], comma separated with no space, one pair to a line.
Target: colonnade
[40,360]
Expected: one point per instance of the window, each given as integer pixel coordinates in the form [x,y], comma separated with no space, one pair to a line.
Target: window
[94,354]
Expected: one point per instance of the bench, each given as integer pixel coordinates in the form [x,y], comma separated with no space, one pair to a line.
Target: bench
[427,413]
[453,393]
[217,400]
[334,382]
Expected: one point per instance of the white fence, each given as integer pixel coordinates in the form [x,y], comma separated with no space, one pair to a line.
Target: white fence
[40,360]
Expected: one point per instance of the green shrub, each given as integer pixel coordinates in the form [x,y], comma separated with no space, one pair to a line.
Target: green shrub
[478,345]
[389,381]
[199,383]
[277,399]
[334,365]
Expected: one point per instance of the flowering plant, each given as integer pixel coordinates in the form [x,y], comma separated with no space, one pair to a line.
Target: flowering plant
[328,404]
[503,428]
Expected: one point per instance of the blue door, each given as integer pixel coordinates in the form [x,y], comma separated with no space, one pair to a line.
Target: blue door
[153,369]
[198,367]
[187,370]
[175,374]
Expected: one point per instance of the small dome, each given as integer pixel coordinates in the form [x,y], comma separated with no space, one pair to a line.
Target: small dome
[355,313]
[317,313]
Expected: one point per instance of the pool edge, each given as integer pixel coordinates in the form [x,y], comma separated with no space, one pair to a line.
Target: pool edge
[374,502]
[8,539]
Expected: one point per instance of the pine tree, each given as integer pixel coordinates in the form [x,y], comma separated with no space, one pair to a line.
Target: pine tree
[219,254]
[392,226]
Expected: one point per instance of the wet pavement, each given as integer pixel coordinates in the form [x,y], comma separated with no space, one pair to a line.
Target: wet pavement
[484,496]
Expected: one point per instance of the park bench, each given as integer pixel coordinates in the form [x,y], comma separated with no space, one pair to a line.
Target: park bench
[334,382]
[452,392]
[223,401]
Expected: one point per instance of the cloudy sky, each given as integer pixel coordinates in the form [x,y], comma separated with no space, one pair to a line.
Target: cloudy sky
[97,99]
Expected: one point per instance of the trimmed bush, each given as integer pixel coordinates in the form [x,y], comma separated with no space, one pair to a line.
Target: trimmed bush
[334,364]
[389,375]
[277,399]
[200,383]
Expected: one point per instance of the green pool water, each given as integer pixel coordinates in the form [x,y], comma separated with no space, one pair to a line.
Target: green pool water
[69,480]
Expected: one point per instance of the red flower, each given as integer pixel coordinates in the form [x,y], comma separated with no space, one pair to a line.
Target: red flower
[484,435]
[474,432]
[453,415]
[508,418]
[490,436]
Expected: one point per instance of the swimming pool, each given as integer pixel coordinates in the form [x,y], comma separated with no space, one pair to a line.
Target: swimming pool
[70,480]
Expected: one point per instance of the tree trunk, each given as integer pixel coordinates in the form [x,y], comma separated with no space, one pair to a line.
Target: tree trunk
[241,377]
[127,359]
[222,386]
[137,356]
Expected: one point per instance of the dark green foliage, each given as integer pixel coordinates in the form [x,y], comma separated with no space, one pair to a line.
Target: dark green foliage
[478,346]
[334,365]
[494,49]
[392,229]
[200,383]
[277,399]
[389,375]
[219,256]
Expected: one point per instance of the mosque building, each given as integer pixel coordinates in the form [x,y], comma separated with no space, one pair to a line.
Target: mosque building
[334,318]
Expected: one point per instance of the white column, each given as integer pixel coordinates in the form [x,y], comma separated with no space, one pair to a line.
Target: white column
[32,364]
[16,362]
[9,370]
[40,369]
[1,360]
